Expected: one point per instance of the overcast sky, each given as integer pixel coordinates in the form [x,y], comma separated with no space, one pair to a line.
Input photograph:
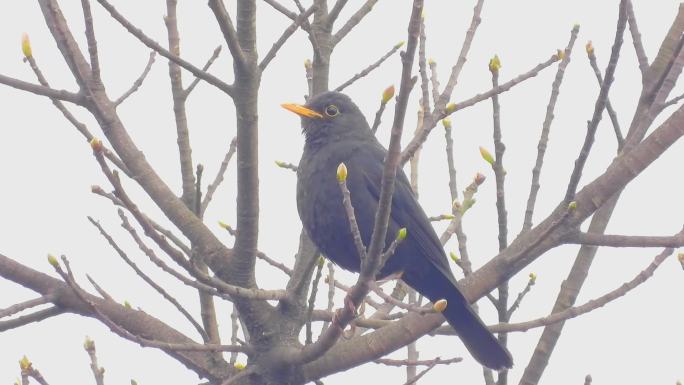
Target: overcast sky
[47,170]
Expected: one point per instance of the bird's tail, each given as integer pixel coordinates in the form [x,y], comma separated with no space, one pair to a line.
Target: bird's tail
[479,341]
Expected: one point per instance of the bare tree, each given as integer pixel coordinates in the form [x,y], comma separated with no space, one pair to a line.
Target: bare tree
[286,338]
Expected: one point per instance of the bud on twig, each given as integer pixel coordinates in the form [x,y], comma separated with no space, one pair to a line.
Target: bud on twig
[560,53]
[387,94]
[533,278]
[479,178]
[88,344]
[400,44]
[451,107]
[486,155]
[589,47]
[341,172]
[96,145]
[52,260]
[446,122]
[26,45]
[307,64]
[24,363]
[401,234]
[572,206]
[454,257]
[494,64]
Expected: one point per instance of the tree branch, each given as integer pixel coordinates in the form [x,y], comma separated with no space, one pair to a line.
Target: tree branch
[62,95]
[138,82]
[209,78]
[228,30]
[546,129]
[370,68]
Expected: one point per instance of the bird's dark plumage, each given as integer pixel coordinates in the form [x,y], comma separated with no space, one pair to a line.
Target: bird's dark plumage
[337,132]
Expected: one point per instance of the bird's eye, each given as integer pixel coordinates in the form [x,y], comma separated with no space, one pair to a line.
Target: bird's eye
[332,110]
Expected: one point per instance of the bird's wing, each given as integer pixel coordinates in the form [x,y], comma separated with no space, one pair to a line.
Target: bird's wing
[406,211]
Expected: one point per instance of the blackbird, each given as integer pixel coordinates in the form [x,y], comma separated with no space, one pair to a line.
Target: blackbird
[336,132]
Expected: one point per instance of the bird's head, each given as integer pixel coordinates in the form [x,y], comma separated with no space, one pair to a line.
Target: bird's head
[329,116]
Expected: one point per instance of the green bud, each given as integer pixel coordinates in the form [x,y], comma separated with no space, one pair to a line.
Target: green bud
[26,45]
[494,64]
[454,257]
[446,122]
[401,234]
[387,94]
[24,363]
[533,277]
[53,260]
[486,155]
[342,172]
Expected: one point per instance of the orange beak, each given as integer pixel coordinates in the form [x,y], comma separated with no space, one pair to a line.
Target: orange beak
[301,110]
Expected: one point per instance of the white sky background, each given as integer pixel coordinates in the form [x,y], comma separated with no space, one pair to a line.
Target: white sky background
[47,170]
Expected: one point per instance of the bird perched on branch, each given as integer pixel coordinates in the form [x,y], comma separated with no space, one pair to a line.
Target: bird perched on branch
[336,132]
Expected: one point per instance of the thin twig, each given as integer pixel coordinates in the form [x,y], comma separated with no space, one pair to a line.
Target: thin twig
[19,307]
[609,106]
[284,36]
[287,166]
[196,80]
[417,141]
[595,239]
[600,104]
[209,78]
[176,255]
[546,129]
[139,81]
[387,95]
[211,189]
[335,12]
[351,217]
[37,316]
[522,294]
[353,21]
[370,68]
[37,89]
[229,32]
[149,280]
[99,289]
[462,57]
[142,341]
[234,329]
[82,128]
[434,361]
[312,299]
[164,231]
[420,375]
[92,42]
[98,372]
[590,305]
[636,39]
